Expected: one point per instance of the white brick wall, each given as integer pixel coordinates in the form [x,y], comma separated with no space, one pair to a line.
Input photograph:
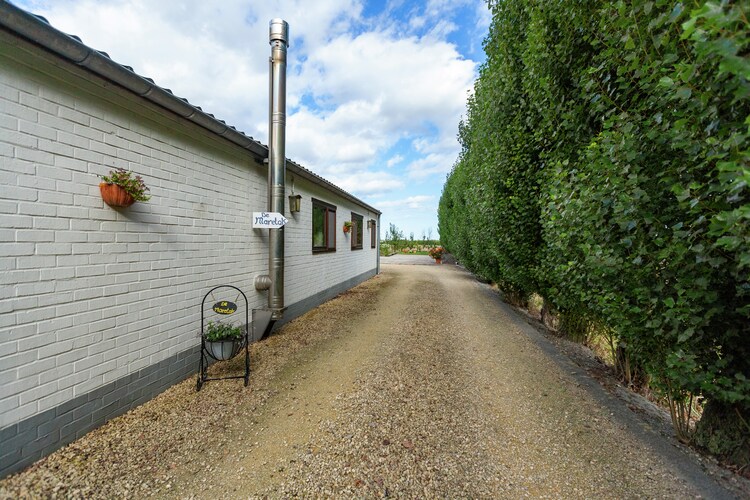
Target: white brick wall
[89,294]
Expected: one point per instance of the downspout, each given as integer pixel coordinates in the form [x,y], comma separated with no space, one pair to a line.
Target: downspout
[278,38]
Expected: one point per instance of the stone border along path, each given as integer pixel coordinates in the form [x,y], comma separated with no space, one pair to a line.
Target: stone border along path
[418,383]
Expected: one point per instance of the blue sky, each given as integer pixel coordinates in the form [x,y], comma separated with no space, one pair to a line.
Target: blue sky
[375,89]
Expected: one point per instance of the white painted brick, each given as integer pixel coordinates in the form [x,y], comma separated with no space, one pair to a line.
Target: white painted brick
[91,383]
[35,102]
[89,156]
[9,404]
[53,248]
[32,370]
[72,139]
[35,262]
[18,193]
[58,224]
[25,208]
[8,177]
[71,164]
[35,394]
[86,248]
[79,190]
[123,285]
[72,260]
[36,235]
[16,249]
[36,182]
[21,332]
[8,207]
[38,130]
[84,271]
[17,110]
[54,122]
[86,225]
[86,200]
[9,93]
[74,380]
[72,115]
[8,348]
[55,198]
[59,397]
[55,324]
[35,315]
[14,361]
[54,299]
[18,139]
[56,374]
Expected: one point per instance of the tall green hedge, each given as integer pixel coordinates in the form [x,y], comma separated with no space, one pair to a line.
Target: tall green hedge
[605,166]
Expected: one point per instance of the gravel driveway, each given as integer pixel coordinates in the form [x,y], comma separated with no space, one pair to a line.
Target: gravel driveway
[417,383]
[408,259]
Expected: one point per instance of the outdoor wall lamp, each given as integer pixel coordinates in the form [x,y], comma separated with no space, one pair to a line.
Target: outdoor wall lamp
[295,203]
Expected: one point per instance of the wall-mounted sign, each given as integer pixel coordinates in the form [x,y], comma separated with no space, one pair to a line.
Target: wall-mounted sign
[268,220]
[225,307]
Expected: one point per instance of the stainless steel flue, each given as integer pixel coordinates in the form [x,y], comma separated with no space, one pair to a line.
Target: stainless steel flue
[278,38]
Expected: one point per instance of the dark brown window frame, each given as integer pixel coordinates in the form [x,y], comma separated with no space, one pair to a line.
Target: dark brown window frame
[358,232]
[328,229]
[373,234]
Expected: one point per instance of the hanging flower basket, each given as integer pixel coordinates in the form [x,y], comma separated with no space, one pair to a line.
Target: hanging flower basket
[122,188]
[347,226]
[223,341]
[222,350]
[115,196]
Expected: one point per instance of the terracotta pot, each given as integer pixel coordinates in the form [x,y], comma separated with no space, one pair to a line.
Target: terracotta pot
[115,196]
[438,261]
[347,229]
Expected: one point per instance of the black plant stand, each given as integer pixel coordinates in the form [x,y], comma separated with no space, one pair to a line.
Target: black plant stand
[223,307]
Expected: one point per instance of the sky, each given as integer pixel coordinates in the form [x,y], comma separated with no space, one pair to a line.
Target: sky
[375,89]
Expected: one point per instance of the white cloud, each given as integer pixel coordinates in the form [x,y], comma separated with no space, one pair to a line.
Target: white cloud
[394,160]
[418,82]
[368,183]
[432,165]
[413,202]
[483,16]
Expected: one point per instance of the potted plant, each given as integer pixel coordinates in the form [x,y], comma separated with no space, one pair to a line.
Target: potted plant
[347,226]
[122,188]
[223,341]
[437,254]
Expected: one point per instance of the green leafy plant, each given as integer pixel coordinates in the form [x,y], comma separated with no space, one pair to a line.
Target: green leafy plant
[219,331]
[347,226]
[132,183]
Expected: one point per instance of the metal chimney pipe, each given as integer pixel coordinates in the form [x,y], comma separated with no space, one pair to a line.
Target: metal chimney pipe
[278,38]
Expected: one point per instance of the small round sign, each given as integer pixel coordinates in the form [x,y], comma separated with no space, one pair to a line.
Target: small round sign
[225,307]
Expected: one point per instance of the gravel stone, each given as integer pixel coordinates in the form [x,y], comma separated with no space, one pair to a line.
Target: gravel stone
[417,383]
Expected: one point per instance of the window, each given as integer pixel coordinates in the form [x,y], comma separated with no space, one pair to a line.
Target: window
[323,227]
[373,234]
[357,231]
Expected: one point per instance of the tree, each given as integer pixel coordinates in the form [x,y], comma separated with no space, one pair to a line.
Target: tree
[605,165]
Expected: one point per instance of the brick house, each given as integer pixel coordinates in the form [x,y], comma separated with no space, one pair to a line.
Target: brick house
[100,308]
